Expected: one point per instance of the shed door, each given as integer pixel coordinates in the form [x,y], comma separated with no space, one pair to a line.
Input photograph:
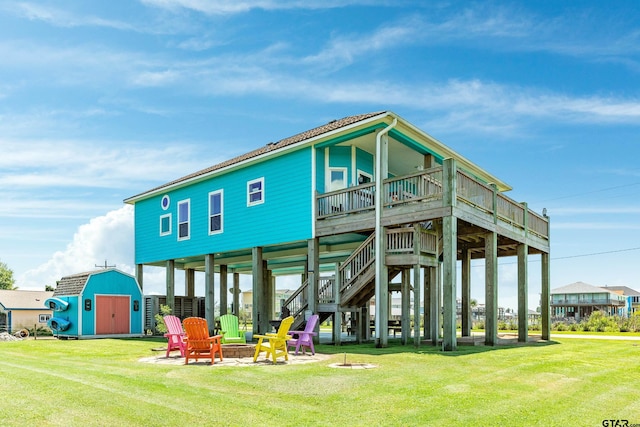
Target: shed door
[112,314]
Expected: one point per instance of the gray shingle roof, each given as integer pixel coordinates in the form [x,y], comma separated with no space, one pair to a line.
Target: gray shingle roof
[320,130]
[71,285]
[627,291]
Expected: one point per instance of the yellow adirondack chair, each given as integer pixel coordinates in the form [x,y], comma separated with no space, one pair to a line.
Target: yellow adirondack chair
[275,345]
[230,330]
[199,343]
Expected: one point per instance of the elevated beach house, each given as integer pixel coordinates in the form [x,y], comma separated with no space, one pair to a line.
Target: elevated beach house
[347,207]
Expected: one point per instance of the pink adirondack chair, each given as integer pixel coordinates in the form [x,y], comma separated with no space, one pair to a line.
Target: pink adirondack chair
[304,338]
[175,334]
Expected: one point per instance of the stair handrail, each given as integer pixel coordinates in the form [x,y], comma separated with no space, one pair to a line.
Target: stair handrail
[297,302]
[357,262]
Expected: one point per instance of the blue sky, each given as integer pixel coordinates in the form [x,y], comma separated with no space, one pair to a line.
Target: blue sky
[103,100]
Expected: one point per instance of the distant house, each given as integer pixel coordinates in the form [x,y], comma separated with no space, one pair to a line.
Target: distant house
[579,300]
[23,310]
[632,296]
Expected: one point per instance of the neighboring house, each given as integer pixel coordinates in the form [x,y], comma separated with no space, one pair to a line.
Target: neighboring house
[23,310]
[325,201]
[97,304]
[578,300]
[632,296]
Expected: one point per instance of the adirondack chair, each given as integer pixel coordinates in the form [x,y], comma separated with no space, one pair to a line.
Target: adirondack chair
[304,338]
[199,343]
[231,333]
[274,344]
[175,334]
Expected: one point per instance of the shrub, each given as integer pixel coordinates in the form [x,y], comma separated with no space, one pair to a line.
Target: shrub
[161,328]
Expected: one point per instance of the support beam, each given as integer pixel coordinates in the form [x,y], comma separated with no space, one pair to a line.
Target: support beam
[426,287]
[449,303]
[434,312]
[224,289]
[236,294]
[209,294]
[405,298]
[449,256]
[140,276]
[545,297]
[189,282]
[313,273]
[466,292]
[171,284]
[337,318]
[523,287]
[491,288]
[258,316]
[416,305]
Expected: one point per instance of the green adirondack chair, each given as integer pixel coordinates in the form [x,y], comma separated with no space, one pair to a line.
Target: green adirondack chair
[230,330]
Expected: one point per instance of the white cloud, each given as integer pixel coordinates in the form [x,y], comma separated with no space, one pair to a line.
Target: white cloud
[108,237]
[220,7]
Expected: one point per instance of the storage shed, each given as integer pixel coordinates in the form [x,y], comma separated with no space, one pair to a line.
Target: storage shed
[97,304]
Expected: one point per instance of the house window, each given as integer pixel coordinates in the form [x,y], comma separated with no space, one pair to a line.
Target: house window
[184,223]
[165,225]
[215,212]
[337,179]
[255,192]
[364,178]
[44,318]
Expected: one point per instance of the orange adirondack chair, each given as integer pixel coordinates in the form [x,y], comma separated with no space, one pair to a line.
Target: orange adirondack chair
[175,334]
[199,343]
[304,338]
[276,344]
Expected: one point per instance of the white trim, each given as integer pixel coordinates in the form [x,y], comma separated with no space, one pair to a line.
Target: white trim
[361,172]
[212,193]
[354,178]
[313,191]
[188,221]
[166,233]
[261,192]
[345,178]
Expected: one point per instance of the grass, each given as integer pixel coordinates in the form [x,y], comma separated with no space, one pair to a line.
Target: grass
[100,382]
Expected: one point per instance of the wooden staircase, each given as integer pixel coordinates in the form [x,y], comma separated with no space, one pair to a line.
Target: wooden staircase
[357,273]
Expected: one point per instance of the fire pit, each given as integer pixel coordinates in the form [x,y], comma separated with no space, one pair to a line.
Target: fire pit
[238,350]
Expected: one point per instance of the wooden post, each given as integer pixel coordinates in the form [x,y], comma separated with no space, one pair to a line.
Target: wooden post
[466,292]
[224,290]
[523,308]
[491,288]
[545,297]
[258,285]
[337,318]
[236,294]
[171,284]
[189,282]
[209,294]
[140,275]
[435,291]
[449,257]
[405,296]
[427,285]
[416,305]
[313,273]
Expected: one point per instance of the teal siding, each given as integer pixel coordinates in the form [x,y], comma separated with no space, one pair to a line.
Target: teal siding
[285,215]
[70,315]
[320,173]
[364,161]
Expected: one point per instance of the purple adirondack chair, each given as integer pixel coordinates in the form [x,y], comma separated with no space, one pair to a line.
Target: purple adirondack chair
[304,338]
[175,334]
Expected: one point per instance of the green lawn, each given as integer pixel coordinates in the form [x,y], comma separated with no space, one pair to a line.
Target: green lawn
[577,382]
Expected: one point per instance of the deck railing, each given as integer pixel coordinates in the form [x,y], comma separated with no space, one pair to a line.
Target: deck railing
[297,302]
[357,262]
[325,290]
[425,186]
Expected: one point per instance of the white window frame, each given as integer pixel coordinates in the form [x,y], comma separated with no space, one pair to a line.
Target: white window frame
[188,221]
[44,318]
[363,173]
[211,215]
[250,193]
[166,233]
[345,179]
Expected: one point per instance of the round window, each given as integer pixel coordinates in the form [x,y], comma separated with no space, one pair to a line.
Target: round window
[165,202]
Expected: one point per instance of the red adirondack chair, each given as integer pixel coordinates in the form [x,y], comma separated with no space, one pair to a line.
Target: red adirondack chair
[199,343]
[304,338]
[175,334]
